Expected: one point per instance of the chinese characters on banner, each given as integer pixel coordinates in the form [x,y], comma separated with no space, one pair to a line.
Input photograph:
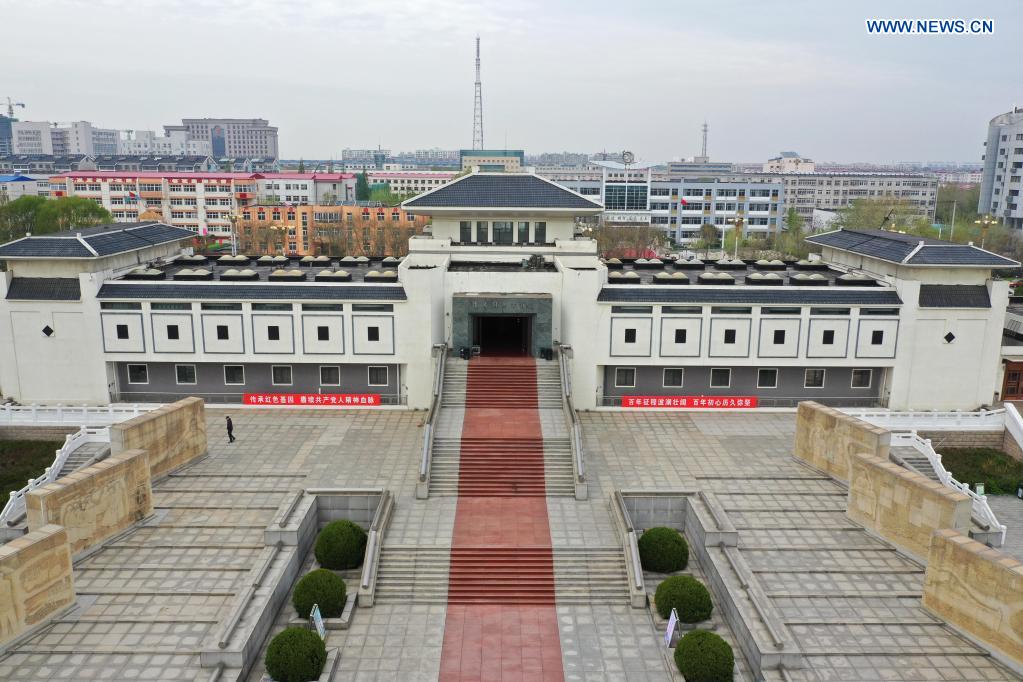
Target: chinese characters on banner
[300,399]
[690,401]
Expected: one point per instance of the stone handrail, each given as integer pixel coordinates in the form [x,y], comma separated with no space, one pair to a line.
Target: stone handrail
[630,547]
[15,507]
[923,420]
[422,489]
[1014,423]
[742,573]
[243,601]
[41,415]
[572,421]
[374,543]
[982,511]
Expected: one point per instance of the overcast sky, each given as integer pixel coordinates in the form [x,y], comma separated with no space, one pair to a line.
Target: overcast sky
[580,76]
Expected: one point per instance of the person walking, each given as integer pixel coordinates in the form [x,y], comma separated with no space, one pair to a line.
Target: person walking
[230,430]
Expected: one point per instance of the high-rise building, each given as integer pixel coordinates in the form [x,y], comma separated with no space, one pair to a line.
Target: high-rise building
[6,146]
[61,139]
[176,143]
[234,137]
[1002,178]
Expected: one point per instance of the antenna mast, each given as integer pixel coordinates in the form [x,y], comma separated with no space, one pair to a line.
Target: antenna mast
[477,117]
[703,151]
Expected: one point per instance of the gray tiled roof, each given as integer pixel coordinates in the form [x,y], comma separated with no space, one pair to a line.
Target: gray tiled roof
[954,296]
[105,240]
[501,190]
[909,249]
[44,289]
[252,292]
[751,295]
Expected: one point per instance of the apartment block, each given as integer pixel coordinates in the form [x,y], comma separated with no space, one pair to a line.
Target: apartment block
[1002,177]
[233,137]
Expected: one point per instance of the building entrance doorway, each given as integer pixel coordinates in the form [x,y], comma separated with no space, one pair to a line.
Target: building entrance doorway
[1012,387]
[502,334]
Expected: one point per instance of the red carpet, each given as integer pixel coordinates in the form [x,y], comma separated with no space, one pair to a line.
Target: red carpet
[501,620]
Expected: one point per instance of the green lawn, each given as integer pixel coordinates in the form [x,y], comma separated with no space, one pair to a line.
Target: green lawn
[21,460]
[999,472]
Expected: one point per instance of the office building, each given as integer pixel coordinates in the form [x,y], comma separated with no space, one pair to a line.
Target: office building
[510,160]
[148,143]
[230,137]
[789,162]
[832,191]
[6,143]
[79,137]
[16,186]
[1002,178]
[124,312]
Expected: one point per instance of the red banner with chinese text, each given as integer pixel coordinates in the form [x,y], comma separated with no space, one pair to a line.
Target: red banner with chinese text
[314,399]
[690,401]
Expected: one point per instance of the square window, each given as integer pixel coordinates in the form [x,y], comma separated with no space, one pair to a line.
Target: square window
[323,333]
[234,375]
[172,332]
[222,334]
[680,336]
[862,378]
[625,377]
[729,336]
[184,374]
[373,333]
[377,376]
[828,337]
[877,337]
[767,378]
[672,377]
[138,374]
[779,336]
[813,378]
[280,375]
[330,375]
[720,377]
[273,333]
[630,336]
[122,331]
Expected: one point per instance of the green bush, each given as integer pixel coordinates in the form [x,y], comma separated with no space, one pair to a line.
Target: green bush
[322,587]
[663,550]
[999,472]
[295,655]
[340,545]
[685,594]
[702,656]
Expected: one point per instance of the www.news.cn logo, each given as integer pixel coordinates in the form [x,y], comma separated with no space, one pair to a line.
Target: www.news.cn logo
[931,26]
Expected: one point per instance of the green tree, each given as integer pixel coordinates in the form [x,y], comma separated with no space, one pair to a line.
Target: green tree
[790,242]
[19,216]
[301,165]
[384,195]
[884,212]
[66,213]
[362,187]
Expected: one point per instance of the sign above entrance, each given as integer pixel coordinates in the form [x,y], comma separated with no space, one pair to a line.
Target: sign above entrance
[305,399]
[690,401]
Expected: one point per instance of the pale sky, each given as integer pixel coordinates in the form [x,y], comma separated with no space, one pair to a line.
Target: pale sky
[581,76]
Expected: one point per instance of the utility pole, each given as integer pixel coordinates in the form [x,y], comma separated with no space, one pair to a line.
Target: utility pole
[477,117]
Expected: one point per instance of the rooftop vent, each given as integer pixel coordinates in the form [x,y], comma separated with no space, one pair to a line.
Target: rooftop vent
[805,280]
[286,276]
[673,278]
[235,275]
[716,278]
[765,279]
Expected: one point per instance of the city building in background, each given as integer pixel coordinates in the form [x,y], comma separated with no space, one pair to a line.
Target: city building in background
[201,202]
[789,162]
[61,139]
[174,143]
[405,182]
[1002,178]
[508,160]
[832,191]
[333,230]
[230,137]
[6,144]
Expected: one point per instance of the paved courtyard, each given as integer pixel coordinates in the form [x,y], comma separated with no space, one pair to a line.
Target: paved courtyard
[150,598]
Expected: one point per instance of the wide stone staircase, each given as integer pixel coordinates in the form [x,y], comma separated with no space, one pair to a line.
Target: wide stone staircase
[509,386]
[501,575]
[86,452]
[916,461]
[480,467]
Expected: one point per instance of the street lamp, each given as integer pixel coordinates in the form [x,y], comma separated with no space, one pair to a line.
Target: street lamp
[737,221]
[985,221]
[234,242]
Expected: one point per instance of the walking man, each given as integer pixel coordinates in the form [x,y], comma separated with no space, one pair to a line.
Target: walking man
[230,430]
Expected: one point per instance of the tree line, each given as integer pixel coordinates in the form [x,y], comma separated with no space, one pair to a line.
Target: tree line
[39,215]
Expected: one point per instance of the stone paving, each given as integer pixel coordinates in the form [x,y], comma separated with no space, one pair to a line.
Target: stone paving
[150,597]
[1008,510]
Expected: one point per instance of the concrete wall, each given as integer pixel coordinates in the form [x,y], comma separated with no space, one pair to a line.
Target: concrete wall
[173,435]
[901,506]
[825,438]
[977,590]
[96,502]
[35,580]
[964,439]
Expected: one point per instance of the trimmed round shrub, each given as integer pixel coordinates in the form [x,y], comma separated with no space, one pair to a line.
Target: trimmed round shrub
[685,594]
[702,656]
[296,655]
[663,550]
[340,545]
[322,587]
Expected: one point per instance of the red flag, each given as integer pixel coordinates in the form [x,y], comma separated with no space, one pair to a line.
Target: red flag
[683,202]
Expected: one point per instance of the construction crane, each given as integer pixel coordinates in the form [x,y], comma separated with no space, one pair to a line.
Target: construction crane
[10,107]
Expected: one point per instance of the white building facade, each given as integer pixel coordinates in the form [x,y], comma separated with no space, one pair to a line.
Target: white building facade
[126,313]
[1002,177]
